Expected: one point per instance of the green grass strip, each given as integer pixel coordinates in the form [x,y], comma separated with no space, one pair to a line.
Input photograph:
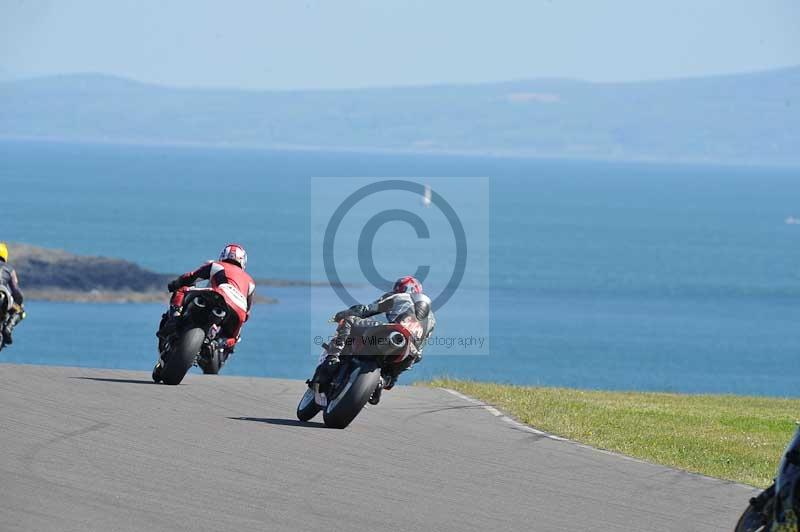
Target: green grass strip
[725,436]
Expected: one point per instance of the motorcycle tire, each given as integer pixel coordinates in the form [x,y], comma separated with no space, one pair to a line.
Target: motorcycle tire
[182,356]
[307,408]
[350,398]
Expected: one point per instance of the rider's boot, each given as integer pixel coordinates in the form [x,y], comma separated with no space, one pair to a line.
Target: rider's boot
[390,379]
[226,346]
[167,325]
[335,348]
[375,398]
[327,368]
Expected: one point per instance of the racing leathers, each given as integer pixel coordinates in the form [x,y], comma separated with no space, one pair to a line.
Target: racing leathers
[13,299]
[408,309]
[236,286]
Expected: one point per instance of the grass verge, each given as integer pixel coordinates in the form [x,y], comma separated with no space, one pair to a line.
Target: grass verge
[725,436]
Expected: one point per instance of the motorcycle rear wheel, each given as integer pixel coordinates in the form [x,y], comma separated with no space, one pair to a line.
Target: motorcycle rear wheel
[182,356]
[347,402]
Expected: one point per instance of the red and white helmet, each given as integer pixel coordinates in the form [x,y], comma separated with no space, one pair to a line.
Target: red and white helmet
[408,285]
[234,253]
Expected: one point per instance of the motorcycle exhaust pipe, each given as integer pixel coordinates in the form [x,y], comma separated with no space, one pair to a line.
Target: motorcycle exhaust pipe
[397,339]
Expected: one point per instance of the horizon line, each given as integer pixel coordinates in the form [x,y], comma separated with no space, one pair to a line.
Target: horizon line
[543,79]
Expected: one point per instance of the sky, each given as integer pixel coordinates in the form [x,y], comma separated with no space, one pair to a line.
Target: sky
[290,44]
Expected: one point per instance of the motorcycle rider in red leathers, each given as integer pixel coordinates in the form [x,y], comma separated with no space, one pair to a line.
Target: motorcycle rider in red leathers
[228,275]
[405,304]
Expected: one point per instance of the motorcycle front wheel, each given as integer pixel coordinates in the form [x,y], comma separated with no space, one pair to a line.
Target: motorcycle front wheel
[307,408]
[753,520]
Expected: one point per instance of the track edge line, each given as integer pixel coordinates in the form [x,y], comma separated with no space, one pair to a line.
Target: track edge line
[527,428]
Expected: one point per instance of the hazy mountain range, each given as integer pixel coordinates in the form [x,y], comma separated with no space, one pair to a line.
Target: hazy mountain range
[750,118]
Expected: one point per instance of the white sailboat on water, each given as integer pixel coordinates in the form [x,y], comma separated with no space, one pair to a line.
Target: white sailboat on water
[426,196]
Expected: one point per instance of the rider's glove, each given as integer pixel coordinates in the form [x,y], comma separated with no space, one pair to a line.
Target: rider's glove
[355,310]
[174,285]
[358,310]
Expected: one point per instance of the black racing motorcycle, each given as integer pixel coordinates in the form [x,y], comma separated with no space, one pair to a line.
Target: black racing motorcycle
[193,337]
[776,508]
[368,360]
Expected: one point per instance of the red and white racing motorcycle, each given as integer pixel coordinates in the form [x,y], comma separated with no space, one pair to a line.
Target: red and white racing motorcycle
[194,337]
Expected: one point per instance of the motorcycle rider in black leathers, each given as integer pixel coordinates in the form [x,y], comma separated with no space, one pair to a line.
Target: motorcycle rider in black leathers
[9,286]
[405,302]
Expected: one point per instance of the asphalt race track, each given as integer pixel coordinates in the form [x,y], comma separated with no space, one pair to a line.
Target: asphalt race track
[102,450]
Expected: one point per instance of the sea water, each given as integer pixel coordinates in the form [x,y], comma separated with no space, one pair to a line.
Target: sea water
[602,275]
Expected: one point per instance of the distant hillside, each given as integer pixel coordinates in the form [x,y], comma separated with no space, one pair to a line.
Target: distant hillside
[40,268]
[55,275]
[736,118]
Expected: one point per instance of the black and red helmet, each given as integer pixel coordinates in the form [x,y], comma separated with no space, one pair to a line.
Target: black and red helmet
[407,285]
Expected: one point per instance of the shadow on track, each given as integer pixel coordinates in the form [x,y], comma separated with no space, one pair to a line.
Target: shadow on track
[285,422]
[106,379]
